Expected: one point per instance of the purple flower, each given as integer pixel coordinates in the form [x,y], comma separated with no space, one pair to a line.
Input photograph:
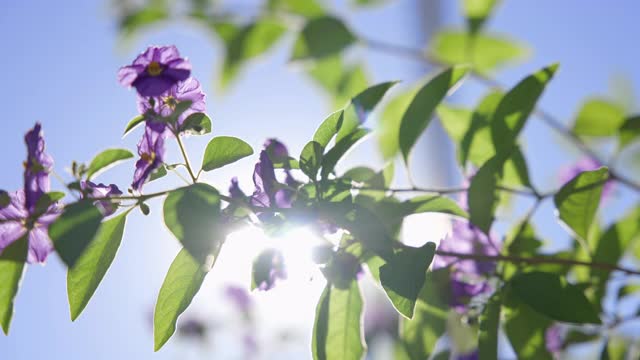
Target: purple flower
[462,292]
[474,355]
[165,104]
[239,296]
[36,168]
[192,328]
[276,150]
[155,71]
[553,340]
[93,191]
[585,164]
[468,239]
[151,151]
[234,189]
[268,190]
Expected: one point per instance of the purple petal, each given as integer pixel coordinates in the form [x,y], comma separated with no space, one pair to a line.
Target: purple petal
[151,151]
[10,232]
[15,209]
[37,168]
[40,246]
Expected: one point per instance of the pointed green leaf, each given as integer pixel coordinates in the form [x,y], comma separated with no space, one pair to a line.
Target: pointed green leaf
[515,107]
[321,37]
[107,159]
[331,158]
[12,265]
[485,52]
[630,131]
[74,230]
[357,112]
[192,214]
[578,200]
[403,276]
[133,124]
[388,133]
[183,280]
[85,276]
[337,332]
[196,124]
[551,295]
[329,128]
[308,8]
[489,328]
[311,159]
[418,115]
[483,195]
[599,117]
[224,150]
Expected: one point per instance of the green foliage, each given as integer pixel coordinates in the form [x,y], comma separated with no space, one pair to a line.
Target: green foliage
[153,13]
[515,107]
[577,201]
[192,214]
[107,159]
[12,265]
[477,12]
[599,117]
[404,275]
[85,276]
[420,334]
[328,128]
[337,332]
[485,53]
[630,131]
[224,150]
[196,124]
[561,301]
[74,230]
[418,115]
[388,135]
[322,37]
[483,197]
[361,105]
[333,155]
[183,280]
[525,328]
[489,328]
[340,80]
[308,8]
[311,159]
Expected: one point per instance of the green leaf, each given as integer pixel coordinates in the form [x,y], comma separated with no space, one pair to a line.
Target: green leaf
[247,43]
[483,195]
[337,332]
[341,147]
[418,115]
[630,131]
[599,117]
[577,201]
[85,276]
[192,214]
[361,105]
[486,53]
[420,334]
[328,128]
[12,265]
[308,8]
[389,131]
[133,124]
[152,14]
[311,159]
[551,295]
[489,327]
[404,275]
[181,284]
[196,124]
[477,12]
[338,79]
[515,107]
[107,159]
[224,150]
[158,173]
[434,203]
[74,230]
[48,199]
[322,37]
[525,329]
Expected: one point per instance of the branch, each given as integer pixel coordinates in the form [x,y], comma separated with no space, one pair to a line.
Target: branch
[538,260]
[543,115]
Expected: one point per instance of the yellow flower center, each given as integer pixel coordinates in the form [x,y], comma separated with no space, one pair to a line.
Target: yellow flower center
[170,101]
[148,157]
[154,68]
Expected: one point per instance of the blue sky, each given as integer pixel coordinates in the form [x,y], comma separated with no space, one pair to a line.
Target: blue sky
[60,61]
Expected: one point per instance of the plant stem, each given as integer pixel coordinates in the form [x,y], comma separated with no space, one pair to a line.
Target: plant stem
[538,260]
[186,158]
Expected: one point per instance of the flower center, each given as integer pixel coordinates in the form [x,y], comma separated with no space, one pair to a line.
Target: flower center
[154,68]
[170,101]
[148,157]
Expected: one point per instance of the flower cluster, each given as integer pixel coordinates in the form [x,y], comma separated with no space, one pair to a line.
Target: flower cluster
[27,213]
[162,80]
